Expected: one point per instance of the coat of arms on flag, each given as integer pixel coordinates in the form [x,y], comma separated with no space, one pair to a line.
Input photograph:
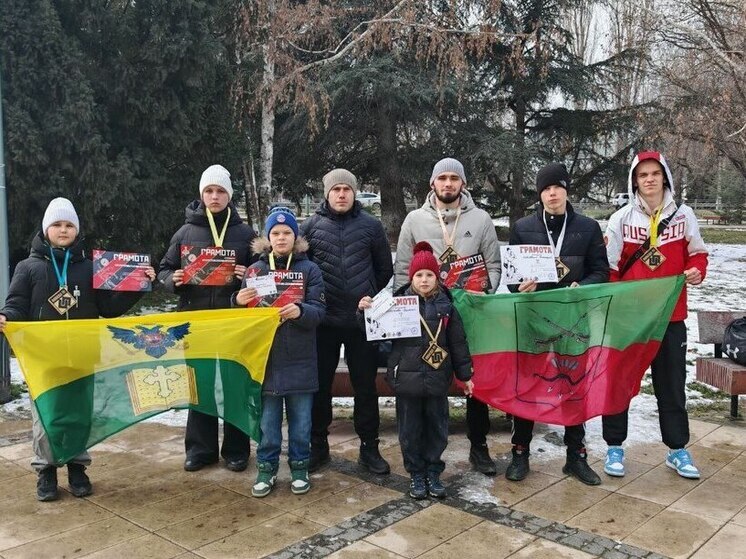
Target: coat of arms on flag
[161,388]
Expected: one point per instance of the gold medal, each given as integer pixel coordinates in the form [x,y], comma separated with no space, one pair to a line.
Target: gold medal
[562,269]
[653,258]
[448,256]
[62,300]
[434,355]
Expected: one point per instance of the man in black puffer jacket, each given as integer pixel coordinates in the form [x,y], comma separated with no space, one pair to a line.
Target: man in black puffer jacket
[350,247]
[580,254]
[228,231]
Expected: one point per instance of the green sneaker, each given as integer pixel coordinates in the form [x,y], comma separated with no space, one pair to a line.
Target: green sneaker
[299,473]
[265,479]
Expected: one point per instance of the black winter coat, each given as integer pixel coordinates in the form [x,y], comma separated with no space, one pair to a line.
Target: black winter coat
[583,250]
[34,282]
[354,256]
[408,374]
[291,367]
[196,232]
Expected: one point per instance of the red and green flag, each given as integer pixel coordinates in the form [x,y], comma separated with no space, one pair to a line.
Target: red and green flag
[89,379]
[564,356]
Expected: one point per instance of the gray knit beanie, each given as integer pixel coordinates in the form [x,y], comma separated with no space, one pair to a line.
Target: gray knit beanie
[59,209]
[448,165]
[339,176]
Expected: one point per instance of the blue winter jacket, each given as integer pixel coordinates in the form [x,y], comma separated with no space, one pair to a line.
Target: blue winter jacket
[291,368]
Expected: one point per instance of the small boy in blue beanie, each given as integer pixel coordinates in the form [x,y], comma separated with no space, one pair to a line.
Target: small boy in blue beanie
[291,377]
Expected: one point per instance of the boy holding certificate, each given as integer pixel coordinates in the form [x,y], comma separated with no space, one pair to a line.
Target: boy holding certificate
[291,377]
[212,226]
[420,371]
[56,283]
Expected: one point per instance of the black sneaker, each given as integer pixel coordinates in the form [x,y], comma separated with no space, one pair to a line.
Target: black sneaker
[371,458]
[577,466]
[518,467]
[479,457]
[418,487]
[319,455]
[434,486]
[80,485]
[46,485]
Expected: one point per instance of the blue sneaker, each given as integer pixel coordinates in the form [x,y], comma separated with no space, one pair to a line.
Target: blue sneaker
[681,461]
[614,465]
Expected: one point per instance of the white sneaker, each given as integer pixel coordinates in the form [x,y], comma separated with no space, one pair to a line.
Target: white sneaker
[614,465]
[681,461]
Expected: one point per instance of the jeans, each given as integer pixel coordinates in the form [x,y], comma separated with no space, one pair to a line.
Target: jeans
[298,408]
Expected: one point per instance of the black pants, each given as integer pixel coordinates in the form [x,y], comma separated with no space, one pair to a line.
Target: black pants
[523,430]
[201,440]
[669,380]
[477,421]
[362,361]
[423,432]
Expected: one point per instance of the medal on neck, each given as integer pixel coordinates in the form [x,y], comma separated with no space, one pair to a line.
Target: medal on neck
[434,355]
[217,239]
[562,268]
[272,261]
[449,255]
[653,257]
[61,300]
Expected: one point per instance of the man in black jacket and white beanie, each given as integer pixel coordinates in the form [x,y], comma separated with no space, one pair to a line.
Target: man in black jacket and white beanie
[580,256]
[350,247]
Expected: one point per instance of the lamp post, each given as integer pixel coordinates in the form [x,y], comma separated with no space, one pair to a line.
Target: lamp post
[4,265]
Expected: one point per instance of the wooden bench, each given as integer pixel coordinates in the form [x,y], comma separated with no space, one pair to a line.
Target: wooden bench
[722,373]
[342,387]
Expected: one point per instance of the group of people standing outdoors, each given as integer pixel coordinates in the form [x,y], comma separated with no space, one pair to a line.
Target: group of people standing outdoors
[344,256]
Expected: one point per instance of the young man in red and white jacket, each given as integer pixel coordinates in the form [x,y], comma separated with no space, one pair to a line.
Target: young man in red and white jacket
[677,249]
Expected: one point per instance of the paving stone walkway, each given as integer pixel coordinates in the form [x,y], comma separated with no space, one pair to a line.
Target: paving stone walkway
[146,506]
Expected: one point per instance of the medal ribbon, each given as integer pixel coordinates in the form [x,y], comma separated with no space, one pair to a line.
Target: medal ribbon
[218,240]
[448,240]
[61,276]
[654,220]
[433,339]
[558,247]
[272,261]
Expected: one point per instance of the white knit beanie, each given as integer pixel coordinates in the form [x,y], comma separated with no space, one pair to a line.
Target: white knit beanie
[59,209]
[339,176]
[216,175]
[448,165]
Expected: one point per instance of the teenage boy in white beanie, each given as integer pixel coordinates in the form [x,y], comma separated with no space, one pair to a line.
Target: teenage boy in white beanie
[211,221]
[451,223]
[57,270]
[350,247]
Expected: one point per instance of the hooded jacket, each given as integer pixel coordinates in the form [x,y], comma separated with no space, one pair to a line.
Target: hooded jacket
[291,367]
[354,256]
[196,232]
[680,243]
[583,249]
[476,233]
[407,373]
[35,281]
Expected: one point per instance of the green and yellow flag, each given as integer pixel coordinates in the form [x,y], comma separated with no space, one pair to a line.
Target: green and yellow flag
[89,379]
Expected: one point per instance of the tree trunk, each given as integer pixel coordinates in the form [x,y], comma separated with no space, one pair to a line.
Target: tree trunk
[266,150]
[393,210]
[518,170]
